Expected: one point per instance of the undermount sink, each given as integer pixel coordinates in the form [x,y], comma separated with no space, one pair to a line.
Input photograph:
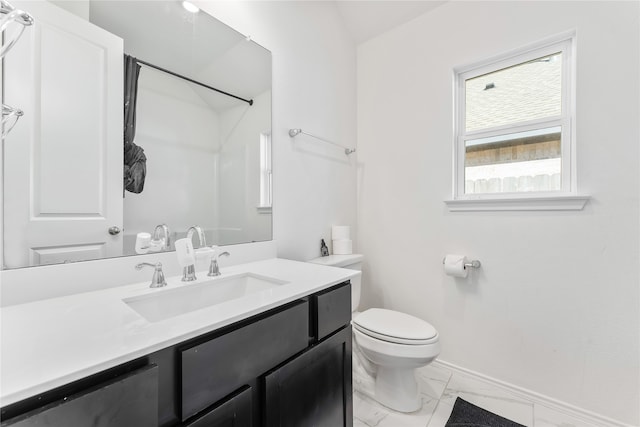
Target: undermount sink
[169,303]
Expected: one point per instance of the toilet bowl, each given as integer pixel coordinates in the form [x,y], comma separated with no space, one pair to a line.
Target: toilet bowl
[394,344]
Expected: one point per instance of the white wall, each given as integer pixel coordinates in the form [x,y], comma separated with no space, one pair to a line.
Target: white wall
[239,181]
[77,7]
[555,307]
[176,128]
[314,88]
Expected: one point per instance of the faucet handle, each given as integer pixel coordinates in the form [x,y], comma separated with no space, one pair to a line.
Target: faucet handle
[157,281]
[214,268]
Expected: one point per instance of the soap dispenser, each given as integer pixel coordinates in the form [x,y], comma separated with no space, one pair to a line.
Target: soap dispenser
[186,259]
[324,250]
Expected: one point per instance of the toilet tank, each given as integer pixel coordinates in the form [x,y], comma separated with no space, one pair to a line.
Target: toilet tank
[351,262]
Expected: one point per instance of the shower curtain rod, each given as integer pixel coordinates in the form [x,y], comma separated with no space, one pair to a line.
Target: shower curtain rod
[148,64]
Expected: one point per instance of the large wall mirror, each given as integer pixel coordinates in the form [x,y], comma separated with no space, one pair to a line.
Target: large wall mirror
[192,98]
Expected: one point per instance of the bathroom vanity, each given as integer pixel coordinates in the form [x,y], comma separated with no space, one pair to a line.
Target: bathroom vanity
[273,357]
[266,344]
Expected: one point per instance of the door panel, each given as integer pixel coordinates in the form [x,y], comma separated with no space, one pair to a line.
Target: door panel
[314,389]
[63,160]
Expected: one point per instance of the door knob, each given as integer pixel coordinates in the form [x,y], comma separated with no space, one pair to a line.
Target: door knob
[115,230]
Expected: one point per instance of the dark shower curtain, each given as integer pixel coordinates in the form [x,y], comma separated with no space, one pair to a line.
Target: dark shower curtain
[135,162]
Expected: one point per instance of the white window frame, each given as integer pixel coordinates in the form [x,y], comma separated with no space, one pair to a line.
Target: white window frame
[567,197]
[266,176]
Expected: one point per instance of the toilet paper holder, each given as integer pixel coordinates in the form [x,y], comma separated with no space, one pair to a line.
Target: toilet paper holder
[471,264]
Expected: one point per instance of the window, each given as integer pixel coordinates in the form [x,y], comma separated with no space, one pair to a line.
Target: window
[265,173]
[514,124]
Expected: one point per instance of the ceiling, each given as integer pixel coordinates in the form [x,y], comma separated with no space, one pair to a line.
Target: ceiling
[197,46]
[366,19]
[231,63]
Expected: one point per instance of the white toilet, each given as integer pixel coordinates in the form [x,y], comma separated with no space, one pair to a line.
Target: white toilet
[394,343]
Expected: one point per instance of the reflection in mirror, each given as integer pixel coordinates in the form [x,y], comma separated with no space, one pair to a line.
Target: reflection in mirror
[208,160]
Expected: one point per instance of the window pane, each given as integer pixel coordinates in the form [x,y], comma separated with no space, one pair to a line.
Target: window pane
[527,91]
[265,170]
[517,162]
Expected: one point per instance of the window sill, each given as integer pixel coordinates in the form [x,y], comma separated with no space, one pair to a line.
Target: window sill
[264,210]
[552,203]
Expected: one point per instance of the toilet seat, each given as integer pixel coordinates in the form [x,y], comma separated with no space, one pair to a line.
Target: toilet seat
[395,327]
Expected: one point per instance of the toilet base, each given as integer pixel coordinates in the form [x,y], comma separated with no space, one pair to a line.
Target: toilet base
[398,389]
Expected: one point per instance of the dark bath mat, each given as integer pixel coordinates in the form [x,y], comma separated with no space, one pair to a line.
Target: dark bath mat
[465,414]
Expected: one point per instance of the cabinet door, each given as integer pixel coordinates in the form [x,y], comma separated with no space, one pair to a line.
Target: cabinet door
[314,389]
[129,400]
[234,412]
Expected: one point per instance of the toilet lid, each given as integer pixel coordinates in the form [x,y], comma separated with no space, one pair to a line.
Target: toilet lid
[394,326]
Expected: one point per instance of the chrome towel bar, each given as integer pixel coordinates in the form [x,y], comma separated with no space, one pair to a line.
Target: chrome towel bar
[295,132]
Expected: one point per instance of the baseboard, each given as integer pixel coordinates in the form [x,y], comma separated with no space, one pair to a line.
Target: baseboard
[557,405]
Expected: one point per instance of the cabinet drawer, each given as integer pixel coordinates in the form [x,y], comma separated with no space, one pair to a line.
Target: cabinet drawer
[215,368]
[233,412]
[333,310]
[129,400]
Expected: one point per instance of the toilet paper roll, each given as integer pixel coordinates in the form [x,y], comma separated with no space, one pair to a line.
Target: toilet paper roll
[341,232]
[342,247]
[143,241]
[454,265]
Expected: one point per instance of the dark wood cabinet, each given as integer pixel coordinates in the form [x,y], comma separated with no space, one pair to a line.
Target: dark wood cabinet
[232,412]
[289,366]
[213,369]
[332,310]
[128,400]
[314,389]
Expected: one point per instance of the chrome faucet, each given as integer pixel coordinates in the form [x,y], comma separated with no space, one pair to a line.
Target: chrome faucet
[165,231]
[201,238]
[214,269]
[189,273]
[157,281]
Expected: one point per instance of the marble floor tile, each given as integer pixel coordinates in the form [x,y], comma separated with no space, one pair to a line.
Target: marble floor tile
[440,415]
[363,384]
[363,381]
[439,389]
[487,396]
[369,413]
[433,380]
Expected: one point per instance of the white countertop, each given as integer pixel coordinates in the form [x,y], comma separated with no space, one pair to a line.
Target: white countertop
[49,343]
